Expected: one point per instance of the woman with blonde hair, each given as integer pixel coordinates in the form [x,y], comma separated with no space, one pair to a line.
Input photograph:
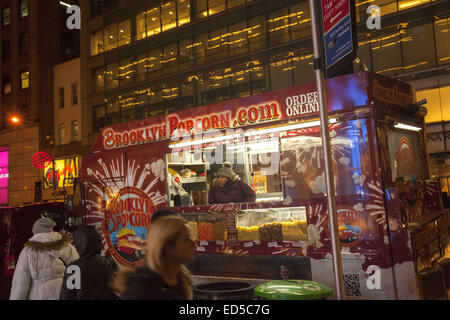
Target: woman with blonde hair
[163,277]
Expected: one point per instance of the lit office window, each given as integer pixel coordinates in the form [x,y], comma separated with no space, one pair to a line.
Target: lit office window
[112,111]
[6,16]
[124,32]
[278,26]
[216,6]
[168,16]
[438,103]
[140,26]
[184,12]
[238,38]
[61,97]
[442,34]
[74,88]
[127,71]
[99,116]
[256,33]
[97,42]
[61,133]
[217,44]
[408,4]
[24,79]
[112,76]
[240,81]
[300,21]
[23,8]
[153,22]
[111,38]
[75,130]
[386,7]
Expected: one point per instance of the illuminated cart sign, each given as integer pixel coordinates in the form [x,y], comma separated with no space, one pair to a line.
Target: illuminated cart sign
[64,172]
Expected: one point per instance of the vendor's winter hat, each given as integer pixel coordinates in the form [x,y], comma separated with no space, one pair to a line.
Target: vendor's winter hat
[43,225]
[226,171]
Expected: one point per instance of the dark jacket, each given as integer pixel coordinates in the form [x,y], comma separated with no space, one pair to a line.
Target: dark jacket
[145,284]
[96,271]
[234,191]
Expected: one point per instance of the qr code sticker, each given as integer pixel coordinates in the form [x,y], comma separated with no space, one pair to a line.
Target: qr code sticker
[352,286]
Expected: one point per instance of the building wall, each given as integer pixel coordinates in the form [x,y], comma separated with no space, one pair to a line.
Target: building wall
[22,143]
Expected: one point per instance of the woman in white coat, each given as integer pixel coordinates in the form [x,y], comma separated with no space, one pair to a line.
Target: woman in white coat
[41,265]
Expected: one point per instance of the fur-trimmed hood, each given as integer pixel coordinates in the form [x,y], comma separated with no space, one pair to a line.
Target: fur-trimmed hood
[47,242]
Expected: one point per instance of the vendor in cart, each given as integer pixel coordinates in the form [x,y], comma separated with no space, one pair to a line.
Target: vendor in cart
[228,188]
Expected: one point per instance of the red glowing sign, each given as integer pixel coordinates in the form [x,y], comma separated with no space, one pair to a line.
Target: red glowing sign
[41,159]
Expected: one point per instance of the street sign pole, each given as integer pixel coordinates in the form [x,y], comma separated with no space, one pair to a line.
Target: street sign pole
[320,82]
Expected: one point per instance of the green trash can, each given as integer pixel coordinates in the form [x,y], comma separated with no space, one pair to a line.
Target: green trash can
[292,290]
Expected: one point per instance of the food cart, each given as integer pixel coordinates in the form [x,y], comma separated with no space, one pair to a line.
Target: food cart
[383,191]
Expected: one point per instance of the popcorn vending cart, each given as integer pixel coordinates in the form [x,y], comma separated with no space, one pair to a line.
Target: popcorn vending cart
[384,196]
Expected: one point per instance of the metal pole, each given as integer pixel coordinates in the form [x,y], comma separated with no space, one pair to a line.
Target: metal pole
[320,82]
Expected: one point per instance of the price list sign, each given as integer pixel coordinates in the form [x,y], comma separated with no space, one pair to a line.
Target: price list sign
[231,229]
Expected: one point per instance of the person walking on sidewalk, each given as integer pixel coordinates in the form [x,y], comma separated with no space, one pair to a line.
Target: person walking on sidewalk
[95,270]
[40,268]
[163,277]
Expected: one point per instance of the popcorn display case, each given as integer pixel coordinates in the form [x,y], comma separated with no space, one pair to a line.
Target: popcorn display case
[384,197]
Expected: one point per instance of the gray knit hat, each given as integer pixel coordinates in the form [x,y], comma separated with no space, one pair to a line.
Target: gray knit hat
[226,171]
[43,225]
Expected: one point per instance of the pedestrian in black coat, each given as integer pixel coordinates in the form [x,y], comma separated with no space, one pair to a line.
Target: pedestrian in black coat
[96,271]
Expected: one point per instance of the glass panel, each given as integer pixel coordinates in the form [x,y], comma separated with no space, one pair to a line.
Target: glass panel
[216,6]
[99,79]
[113,111]
[112,77]
[140,26]
[99,117]
[141,66]
[442,33]
[300,21]
[406,160]
[438,103]
[154,62]
[419,48]
[217,45]
[74,87]
[61,132]
[97,42]
[240,81]
[408,4]
[364,52]
[124,32]
[256,33]
[111,37]
[281,71]
[186,54]
[302,63]
[278,25]
[200,7]
[169,62]
[153,21]
[168,16]
[200,44]
[184,12]
[234,3]
[127,71]
[387,44]
[238,38]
